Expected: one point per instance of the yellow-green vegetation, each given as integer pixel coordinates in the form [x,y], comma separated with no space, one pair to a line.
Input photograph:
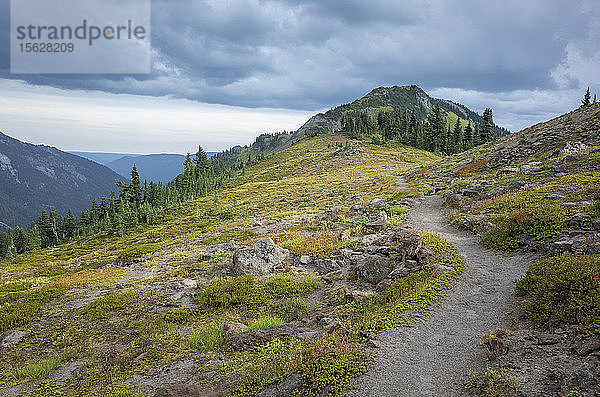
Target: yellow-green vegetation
[115,303]
[563,289]
[265,322]
[493,383]
[208,337]
[39,369]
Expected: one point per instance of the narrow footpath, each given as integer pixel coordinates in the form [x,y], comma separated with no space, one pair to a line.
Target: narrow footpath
[434,357]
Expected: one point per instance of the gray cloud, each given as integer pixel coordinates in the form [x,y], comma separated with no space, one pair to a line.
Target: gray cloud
[315,54]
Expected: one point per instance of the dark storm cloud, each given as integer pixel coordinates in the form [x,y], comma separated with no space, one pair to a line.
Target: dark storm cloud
[314,54]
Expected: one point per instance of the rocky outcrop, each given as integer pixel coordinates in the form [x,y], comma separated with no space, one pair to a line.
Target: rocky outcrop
[258,259]
[390,255]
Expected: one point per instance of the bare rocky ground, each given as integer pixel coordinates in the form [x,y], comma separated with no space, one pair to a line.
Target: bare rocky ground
[435,357]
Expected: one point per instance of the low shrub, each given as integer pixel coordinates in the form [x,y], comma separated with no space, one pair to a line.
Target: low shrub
[105,306]
[563,289]
[291,309]
[544,220]
[285,285]
[23,306]
[226,292]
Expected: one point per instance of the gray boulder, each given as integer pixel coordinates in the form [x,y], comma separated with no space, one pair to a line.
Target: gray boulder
[324,266]
[372,268]
[378,221]
[11,338]
[580,220]
[258,259]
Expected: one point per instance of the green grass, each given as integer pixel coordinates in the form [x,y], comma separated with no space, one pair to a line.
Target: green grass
[208,338]
[39,369]
[265,322]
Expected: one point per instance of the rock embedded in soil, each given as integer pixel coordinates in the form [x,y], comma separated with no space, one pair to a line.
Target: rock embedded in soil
[258,259]
[10,338]
[378,221]
[254,338]
[231,328]
[325,266]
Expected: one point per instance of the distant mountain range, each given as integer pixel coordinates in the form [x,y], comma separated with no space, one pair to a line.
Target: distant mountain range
[153,167]
[36,177]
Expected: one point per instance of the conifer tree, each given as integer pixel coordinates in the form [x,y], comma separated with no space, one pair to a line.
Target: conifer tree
[19,239]
[586,98]
[203,165]
[135,187]
[457,136]
[469,134]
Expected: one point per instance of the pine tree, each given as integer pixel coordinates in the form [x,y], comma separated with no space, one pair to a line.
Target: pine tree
[457,136]
[594,98]
[469,134]
[19,239]
[586,98]
[203,165]
[487,129]
[33,238]
[135,187]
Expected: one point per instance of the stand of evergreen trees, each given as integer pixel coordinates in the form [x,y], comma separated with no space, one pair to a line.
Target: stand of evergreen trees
[434,134]
[134,204]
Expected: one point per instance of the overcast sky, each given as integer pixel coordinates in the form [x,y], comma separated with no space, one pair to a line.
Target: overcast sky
[225,71]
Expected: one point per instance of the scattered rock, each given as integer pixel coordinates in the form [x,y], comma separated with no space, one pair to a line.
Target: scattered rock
[377,203]
[254,338]
[231,328]
[359,296]
[471,222]
[424,255]
[587,345]
[508,170]
[548,339]
[525,169]
[441,269]
[325,266]
[372,268]
[11,338]
[189,283]
[305,259]
[556,196]
[575,147]
[68,370]
[384,284]
[372,343]
[378,221]
[283,389]
[325,321]
[401,271]
[258,259]
[580,220]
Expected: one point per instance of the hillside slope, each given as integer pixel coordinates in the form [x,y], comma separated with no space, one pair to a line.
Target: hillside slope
[285,254]
[36,177]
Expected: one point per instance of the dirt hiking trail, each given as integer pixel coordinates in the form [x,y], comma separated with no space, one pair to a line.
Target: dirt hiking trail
[434,357]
